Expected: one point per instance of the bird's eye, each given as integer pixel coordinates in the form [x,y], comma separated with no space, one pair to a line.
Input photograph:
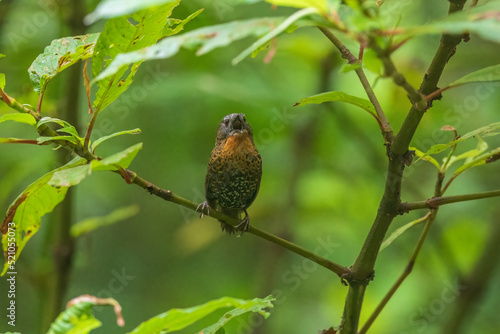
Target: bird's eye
[226,122]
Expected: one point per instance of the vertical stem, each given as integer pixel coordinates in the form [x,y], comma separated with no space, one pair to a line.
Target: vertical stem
[55,284]
[362,270]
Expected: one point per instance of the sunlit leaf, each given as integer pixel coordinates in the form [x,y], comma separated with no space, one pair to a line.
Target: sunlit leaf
[203,40]
[2,81]
[275,32]
[70,130]
[107,9]
[421,155]
[394,235]
[338,97]
[99,141]
[27,210]
[177,319]
[18,117]
[476,161]
[175,26]
[122,36]
[46,120]
[481,20]
[492,129]
[319,4]
[487,74]
[480,148]
[73,176]
[257,307]
[59,55]
[121,159]
[71,139]
[91,224]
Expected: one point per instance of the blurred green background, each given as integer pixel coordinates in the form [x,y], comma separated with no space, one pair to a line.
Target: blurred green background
[323,177]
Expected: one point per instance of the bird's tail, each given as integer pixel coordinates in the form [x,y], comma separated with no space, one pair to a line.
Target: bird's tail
[235,213]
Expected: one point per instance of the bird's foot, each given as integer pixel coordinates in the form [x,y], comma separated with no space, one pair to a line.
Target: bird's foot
[203,209]
[244,224]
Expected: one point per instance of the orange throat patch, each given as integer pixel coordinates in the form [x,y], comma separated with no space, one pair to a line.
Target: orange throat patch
[239,142]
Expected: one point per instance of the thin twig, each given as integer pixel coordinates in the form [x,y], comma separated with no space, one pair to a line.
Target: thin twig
[384,124]
[390,70]
[167,195]
[89,131]
[438,201]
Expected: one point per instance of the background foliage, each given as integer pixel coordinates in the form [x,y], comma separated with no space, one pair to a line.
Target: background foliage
[324,172]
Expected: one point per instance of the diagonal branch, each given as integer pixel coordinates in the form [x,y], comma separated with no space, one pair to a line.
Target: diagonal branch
[168,195]
[438,201]
[384,124]
[341,271]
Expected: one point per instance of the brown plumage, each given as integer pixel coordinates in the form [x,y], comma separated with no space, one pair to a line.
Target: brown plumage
[233,173]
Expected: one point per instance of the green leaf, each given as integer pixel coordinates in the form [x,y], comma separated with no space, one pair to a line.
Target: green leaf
[204,40]
[91,224]
[103,139]
[78,317]
[175,26]
[492,129]
[71,139]
[487,74]
[481,20]
[349,67]
[46,120]
[27,210]
[218,326]
[394,235]
[70,130]
[339,97]
[278,30]
[480,148]
[421,155]
[121,159]
[73,176]
[2,81]
[122,36]
[107,9]
[59,55]
[177,319]
[318,4]
[20,118]
[476,161]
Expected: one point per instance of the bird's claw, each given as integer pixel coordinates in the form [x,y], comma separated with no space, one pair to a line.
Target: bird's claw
[203,208]
[244,224]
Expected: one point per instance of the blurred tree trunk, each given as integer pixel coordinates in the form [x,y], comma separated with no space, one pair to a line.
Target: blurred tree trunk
[475,285]
[60,243]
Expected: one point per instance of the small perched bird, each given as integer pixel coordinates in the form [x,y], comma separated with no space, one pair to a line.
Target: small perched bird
[233,173]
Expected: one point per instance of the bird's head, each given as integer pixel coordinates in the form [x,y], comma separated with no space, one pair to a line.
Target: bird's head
[233,125]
